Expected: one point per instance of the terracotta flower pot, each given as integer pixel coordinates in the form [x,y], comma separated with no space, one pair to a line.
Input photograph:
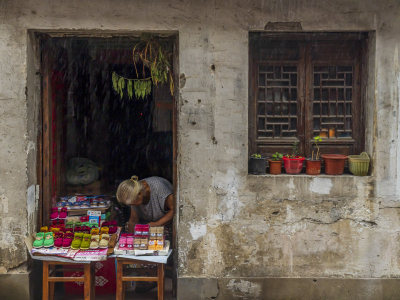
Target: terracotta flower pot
[334,163]
[313,167]
[293,165]
[275,166]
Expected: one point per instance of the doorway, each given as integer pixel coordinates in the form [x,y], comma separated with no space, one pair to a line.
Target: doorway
[84,120]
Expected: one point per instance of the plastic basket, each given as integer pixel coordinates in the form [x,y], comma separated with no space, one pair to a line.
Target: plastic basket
[359,164]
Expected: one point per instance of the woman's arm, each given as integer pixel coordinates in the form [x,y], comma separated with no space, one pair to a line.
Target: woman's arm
[170,207]
[133,220]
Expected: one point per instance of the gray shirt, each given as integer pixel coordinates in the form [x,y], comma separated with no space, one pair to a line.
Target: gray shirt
[160,189]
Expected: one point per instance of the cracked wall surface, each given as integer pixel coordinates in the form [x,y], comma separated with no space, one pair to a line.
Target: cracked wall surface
[230,224]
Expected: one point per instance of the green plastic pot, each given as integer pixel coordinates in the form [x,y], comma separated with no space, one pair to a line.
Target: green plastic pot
[359,164]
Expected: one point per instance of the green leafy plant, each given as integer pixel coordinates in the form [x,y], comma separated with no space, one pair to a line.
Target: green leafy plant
[316,140]
[256,155]
[155,56]
[277,156]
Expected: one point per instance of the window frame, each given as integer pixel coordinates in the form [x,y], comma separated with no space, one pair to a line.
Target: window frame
[305,66]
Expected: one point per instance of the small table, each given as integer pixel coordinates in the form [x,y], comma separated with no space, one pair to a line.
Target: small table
[88,277]
[160,261]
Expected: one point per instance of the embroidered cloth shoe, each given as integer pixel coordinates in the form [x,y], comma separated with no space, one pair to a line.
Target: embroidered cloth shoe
[94,241]
[44,229]
[86,229]
[63,214]
[38,242]
[48,240]
[54,213]
[94,231]
[112,229]
[58,239]
[104,229]
[68,237]
[129,242]
[76,243]
[86,241]
[122,242]
[104,240]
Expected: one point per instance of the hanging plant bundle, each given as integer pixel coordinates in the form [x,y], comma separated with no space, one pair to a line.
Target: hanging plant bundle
[153,57]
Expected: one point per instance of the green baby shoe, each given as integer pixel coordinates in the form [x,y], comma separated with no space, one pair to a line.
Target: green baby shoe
[38,242]
[48,239]
[86,241]
[76,243]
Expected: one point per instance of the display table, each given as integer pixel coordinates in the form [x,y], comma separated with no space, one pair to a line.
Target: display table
[49,264]
[159,261]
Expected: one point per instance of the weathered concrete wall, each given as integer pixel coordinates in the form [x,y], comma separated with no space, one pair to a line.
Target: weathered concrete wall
[230,224]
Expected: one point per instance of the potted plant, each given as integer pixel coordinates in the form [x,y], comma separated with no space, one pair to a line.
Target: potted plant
[334,163]
[313,165]
[275,163]
[293,163]
[257,164]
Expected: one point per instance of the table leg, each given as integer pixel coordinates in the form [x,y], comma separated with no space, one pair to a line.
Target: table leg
[120,290]
[87,289]
[160,282]
[45,284]
[51,290]
[93,276]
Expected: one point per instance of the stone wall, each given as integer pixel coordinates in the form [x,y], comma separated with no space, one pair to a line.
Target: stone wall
[230,225]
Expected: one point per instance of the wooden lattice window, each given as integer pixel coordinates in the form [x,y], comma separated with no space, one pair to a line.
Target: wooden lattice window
[277,101]
[303,87]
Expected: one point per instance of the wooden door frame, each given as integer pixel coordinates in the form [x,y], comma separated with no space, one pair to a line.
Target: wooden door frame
[44,133]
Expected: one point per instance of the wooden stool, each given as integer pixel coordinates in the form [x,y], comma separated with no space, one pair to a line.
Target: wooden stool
[88,279]
[121,278]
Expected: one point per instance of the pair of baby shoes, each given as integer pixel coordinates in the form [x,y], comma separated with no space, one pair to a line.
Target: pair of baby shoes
[81,241]
[43,239]
[58,215]
[126,241]
[63,240]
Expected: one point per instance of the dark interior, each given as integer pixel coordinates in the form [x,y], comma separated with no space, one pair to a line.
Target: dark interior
[123,137]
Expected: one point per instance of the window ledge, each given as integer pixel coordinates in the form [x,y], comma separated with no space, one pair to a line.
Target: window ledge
[310,176]
[311,187]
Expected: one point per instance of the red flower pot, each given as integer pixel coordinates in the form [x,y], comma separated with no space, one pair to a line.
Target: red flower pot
[313,167]
[293,165]
[334,163]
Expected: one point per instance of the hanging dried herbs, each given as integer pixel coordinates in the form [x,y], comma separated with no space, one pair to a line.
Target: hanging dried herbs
[153,56]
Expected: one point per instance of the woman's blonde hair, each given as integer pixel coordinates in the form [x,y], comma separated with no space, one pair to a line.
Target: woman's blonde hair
[128,190]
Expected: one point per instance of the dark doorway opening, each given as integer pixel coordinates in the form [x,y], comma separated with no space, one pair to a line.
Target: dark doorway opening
[84,118]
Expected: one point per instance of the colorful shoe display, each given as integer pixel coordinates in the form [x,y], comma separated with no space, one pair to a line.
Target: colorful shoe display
[39,239]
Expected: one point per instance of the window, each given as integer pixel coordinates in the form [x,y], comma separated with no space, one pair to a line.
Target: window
[305,85]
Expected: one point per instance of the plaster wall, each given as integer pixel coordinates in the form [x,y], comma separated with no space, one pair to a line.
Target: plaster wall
[230,224]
